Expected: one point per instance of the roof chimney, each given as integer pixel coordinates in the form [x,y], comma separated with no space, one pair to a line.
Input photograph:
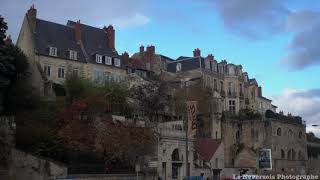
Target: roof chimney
[259,91]
[111,36]
[125,56]
[32,16]
[210,57]
[196,52]
[77,31]
[150,52]
[141,49]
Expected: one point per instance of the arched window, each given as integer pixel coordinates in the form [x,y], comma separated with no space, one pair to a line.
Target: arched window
[289,154]
[300,135]
[300,155]
[175,155]
[293,154]
[279,132]
[238,137]
[282,154]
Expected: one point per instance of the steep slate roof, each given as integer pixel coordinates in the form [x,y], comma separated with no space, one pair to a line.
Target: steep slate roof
[62,37]
[206,147]
[182,57]
[56,35]
[187,64]
[166,58]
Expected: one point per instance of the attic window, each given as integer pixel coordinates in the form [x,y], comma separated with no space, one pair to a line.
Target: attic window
[52,51]
[178,67]
[108,60]
[98,58]
[73,55]
[117,62]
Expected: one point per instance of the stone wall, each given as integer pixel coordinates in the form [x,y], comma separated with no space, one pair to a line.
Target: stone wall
[31,167]
[242,139]
[313,164]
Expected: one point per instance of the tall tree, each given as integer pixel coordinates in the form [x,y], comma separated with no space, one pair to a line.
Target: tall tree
[15,93]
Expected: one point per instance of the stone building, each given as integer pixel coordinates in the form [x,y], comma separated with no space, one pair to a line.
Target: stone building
[313,147]
[227,81]
[284,135]
[52,48]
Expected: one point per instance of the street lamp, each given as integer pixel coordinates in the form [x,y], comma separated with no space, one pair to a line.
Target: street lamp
[315,125]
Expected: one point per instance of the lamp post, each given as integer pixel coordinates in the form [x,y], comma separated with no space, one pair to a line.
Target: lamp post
[315,125]
[185,81]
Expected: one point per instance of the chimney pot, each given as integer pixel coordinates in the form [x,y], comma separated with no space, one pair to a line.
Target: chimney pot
[111,36]
[125,56]
[259,91]
[210,57]
[196,52]
[141,49]
[77,30]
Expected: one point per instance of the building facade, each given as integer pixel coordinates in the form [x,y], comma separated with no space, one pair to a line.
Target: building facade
[55,49]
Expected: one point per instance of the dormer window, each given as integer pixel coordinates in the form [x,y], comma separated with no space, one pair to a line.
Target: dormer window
[108,60]
[52,51]
[73,55]
[178,67]
[117,62]
[98,58]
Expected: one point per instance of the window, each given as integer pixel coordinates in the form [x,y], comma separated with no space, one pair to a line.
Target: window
[73,55]
[207,65]
[230,87]
[300,135]
[178,67]
[289,154]
[293,154]
[215,86]
[98,58]
[98,75]
[61,72]
[52,51]
[300,155]
[47,70]
[279,132]
[108,60]
[221,86]
[290,133]
[282,154]
[232,106]
[117,62]
[241,93]
[217,165]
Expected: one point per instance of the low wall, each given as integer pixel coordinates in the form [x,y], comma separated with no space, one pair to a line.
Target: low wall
[30,167]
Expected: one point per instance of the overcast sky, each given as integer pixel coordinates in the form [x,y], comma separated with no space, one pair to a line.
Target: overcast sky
[277,42]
